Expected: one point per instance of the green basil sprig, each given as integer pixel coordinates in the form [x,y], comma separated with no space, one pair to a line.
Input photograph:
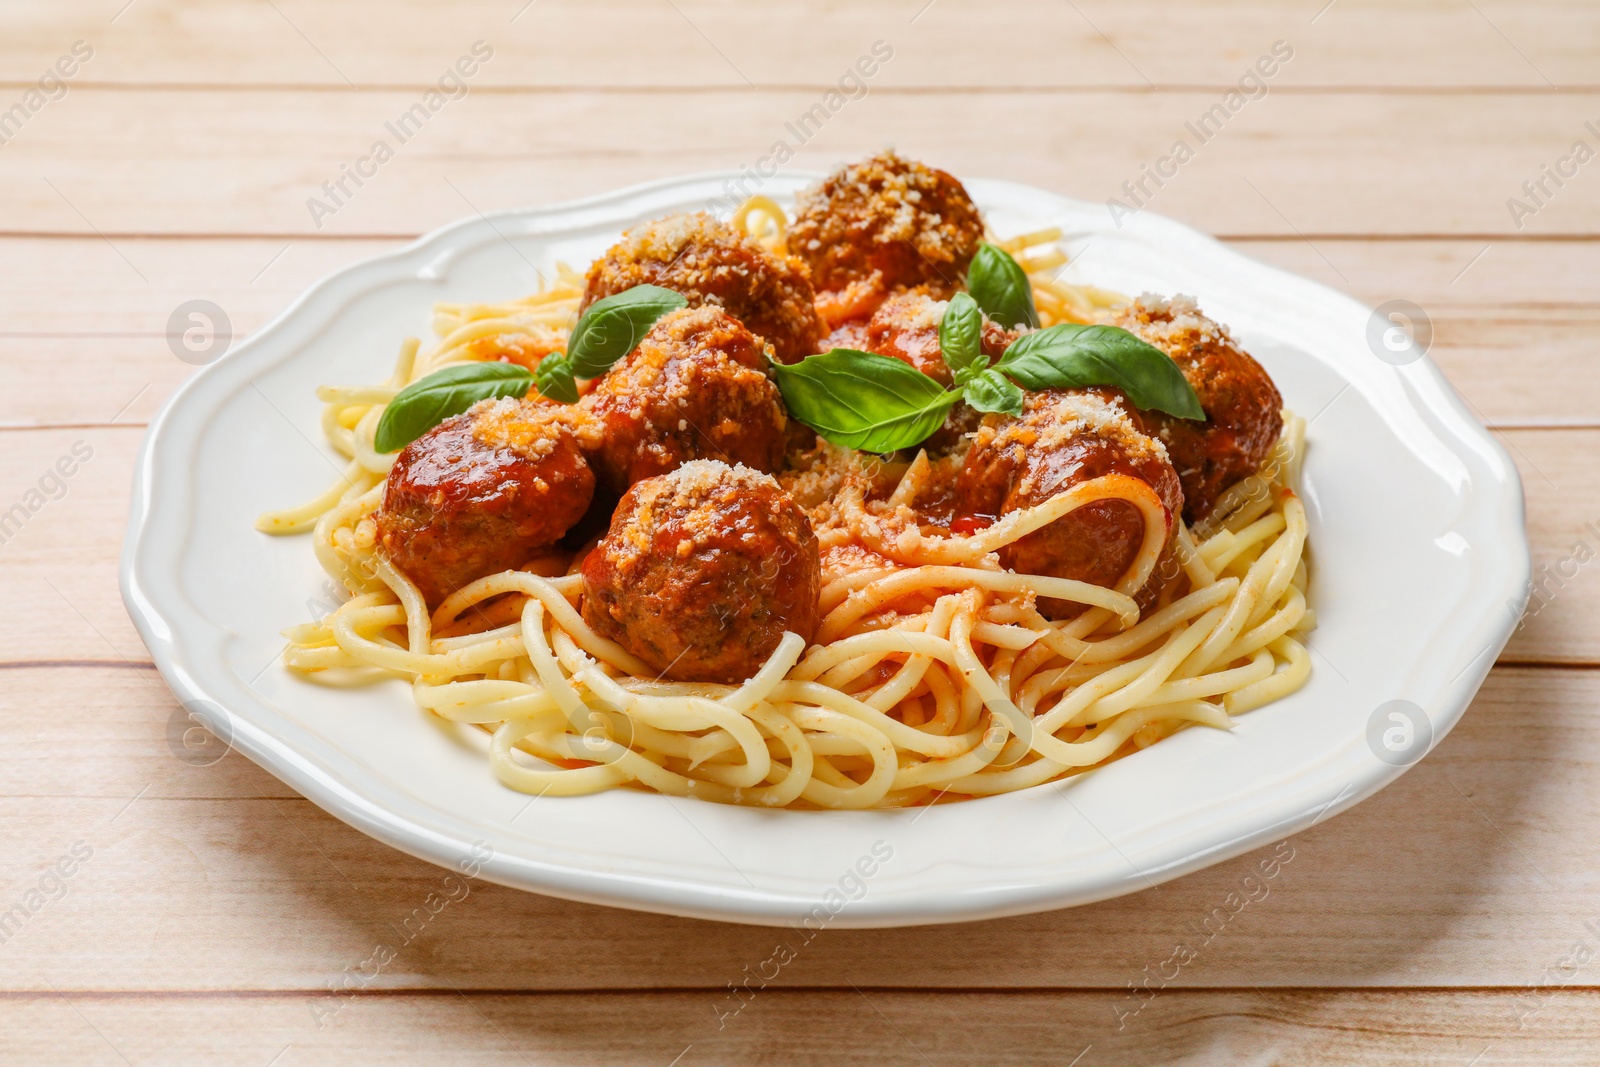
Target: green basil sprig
[993,391]
[612,327]
[961,345]
[864,400]
[879,404]
[555,379]
[1001,287]
[423,404]
[609,330]
[961,337]
[1071,356]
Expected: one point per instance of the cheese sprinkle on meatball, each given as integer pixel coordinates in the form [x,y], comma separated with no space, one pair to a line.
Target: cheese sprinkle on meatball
[696,387]
[883,224]
[711,263]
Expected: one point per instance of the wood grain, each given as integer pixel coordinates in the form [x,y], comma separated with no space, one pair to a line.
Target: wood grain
[561,44]
[1327,1028]
[1435,923]
[184,162]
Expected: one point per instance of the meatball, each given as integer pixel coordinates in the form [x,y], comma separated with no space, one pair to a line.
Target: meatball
[1244,411]
[883,224]
[482,492]
[702,572]
[710,262]
[1061,439]
[696,387]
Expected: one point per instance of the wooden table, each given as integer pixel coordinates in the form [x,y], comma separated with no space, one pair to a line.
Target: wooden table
[1455,918]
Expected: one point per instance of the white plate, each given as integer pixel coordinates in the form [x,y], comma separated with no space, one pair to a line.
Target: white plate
[1420,565]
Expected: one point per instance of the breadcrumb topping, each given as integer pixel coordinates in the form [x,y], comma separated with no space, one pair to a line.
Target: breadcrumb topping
[699,479]
[711,262]
[1051,419]
[895,186]
[693,235]
[815,477]
[887,221]
[526,427]
[697,384]
[697,496]
[919,311]
[1173,324]
[526,347]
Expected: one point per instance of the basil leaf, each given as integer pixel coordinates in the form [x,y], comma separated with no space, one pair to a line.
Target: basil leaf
[424,404]
[1001,287]
[961,337]
[554,379]
[1070,356]
[612,327]
[864,400]
[990,390]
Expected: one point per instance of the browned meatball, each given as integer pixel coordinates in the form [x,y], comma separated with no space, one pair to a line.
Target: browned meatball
[1063,438]
[1244,412]
[703,571]
[710,262]
[696,387]
[482,492]
[883,224]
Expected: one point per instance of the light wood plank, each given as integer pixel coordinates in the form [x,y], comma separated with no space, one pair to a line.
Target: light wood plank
[1561,624]
[1443,274]
[221,863]
[867,1027]
[218,907]
[184,162]
[560,43]
[81,287]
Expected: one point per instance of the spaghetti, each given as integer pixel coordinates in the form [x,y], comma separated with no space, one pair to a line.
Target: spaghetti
[933,674]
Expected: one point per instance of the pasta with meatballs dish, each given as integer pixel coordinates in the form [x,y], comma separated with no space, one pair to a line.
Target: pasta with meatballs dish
[851,505]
